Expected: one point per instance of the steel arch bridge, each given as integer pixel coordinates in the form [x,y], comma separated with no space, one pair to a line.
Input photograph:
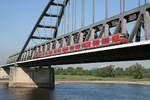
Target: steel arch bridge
[92,43]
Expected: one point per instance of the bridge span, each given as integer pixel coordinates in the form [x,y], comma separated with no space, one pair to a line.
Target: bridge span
[123,52]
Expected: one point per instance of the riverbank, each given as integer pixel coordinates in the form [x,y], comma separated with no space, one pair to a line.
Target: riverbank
[60,79]
[104,82]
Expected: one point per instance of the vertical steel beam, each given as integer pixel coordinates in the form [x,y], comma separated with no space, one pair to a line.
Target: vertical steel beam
[57,44]
[106,9]
[120,6]
[71,40]
[81,37]
[139,3]
[82,14]
[123,7]
[106,30]
[93,12]
[92,36]
[51,46]
[145,1]
[64,42]
[101,32]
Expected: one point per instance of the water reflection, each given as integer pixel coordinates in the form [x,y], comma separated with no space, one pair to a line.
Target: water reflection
[31,94]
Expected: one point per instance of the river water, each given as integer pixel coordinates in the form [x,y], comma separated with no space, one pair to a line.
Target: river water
[79,91]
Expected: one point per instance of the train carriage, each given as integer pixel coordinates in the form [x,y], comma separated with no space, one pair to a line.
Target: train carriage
[114,39]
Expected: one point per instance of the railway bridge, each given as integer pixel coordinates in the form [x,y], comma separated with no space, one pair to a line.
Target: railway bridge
[31,67]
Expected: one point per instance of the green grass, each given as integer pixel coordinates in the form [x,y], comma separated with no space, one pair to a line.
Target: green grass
[87,77]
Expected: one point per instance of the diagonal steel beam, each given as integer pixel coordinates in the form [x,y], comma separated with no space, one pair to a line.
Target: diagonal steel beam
[101,33]
[138,35]
[60,17]
[118,28]
[39,37]
[123,26]
[35,27]
[136,27]
[147,25]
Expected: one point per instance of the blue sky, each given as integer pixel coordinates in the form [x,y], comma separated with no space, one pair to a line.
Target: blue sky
[17,18]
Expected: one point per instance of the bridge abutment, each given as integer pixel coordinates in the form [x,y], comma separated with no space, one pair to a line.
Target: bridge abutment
[31,77]
[4,73]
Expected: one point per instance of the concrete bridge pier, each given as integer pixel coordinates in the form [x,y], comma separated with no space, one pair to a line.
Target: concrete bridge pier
[31,77]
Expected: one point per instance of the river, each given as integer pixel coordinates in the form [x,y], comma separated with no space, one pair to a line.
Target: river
[79,91]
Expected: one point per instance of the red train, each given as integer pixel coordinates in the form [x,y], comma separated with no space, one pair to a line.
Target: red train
[115,39]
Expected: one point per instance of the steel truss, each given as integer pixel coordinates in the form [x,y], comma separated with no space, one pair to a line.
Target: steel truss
[97,30]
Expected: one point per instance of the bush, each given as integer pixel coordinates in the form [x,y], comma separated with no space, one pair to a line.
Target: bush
[136,71]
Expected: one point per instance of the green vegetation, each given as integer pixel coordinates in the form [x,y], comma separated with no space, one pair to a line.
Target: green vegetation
[135,72]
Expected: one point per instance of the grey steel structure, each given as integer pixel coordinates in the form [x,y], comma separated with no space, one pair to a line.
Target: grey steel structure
[38,25]
[96,30]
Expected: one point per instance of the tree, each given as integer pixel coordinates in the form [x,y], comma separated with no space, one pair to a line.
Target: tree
[59,71]
[136,71]
[79,71]
[146,73]
[119,71]
[70,71]
[107,71]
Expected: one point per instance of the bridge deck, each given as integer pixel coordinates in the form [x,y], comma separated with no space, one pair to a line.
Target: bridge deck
[123,52]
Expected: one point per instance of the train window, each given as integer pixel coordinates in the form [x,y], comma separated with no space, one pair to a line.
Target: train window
[50,52]
[103,40]
[89,43]
[55,51]
[83,45]
[96,42]
[71,47]
[59,50]
[122,36]
[65,49]
[107,39]
[113,38]
[77,46]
